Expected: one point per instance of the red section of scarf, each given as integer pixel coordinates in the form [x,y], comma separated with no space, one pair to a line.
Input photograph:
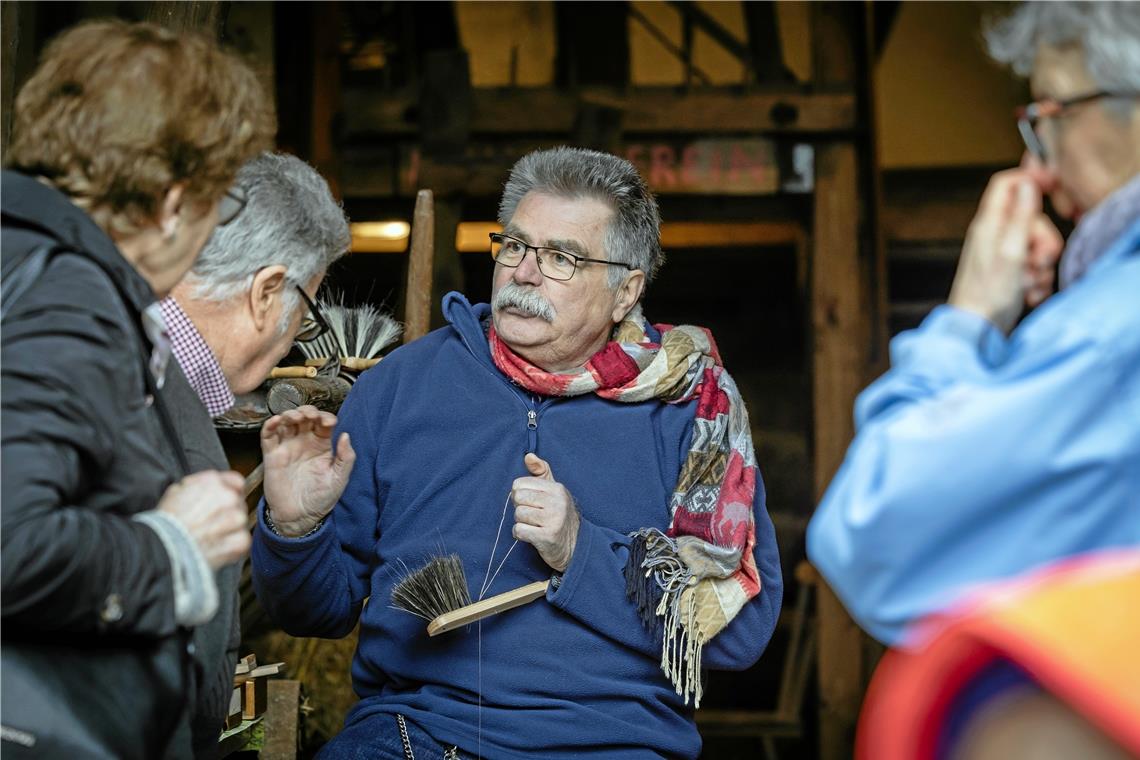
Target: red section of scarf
[612,367]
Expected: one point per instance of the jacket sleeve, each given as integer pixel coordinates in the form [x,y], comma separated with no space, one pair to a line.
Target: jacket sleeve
[316,585]
[593,591]
[67,567]
[975,461]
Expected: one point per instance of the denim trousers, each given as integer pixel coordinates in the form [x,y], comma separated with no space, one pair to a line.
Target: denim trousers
[378,737]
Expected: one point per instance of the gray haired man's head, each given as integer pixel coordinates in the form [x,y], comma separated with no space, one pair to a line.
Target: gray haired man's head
[634,233]
[290,218]
[1108,33]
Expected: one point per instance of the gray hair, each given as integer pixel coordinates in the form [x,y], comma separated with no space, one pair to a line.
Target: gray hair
[290,218]
[1107,32]
[634,234]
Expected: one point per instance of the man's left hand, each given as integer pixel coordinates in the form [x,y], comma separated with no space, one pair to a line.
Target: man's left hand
[545,514]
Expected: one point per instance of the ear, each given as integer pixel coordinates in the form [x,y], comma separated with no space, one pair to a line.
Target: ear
[628,294]
[170,210]
[269,284]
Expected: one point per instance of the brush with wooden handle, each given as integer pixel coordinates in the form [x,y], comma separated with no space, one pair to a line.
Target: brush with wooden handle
[492,605]
[438,593]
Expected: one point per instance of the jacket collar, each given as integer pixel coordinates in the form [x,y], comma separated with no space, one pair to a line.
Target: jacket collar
[468,321]
[28,202]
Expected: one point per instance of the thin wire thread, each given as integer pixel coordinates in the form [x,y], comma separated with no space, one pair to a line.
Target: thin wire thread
[488,579]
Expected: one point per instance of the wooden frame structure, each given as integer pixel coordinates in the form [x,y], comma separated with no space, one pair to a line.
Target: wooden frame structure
[840,250]
[842,262]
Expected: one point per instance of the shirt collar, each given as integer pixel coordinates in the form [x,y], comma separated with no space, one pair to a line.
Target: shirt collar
[197,360]
[1098,230]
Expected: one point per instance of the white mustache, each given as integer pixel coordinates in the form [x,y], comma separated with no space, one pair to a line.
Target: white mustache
[530,302]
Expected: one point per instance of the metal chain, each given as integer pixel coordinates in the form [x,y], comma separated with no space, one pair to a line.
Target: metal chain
[448,754]
[408,754]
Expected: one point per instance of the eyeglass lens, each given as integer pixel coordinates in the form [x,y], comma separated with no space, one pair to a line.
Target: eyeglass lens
[230,205]
[553,263]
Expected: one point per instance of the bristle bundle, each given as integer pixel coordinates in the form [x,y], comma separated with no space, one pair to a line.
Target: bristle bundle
[361,331]
[438,587]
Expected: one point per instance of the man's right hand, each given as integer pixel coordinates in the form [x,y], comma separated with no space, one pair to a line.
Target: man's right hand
[1010,252]
[210,506]
[303,479]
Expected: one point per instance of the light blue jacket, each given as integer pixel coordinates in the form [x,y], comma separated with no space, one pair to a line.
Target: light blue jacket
[979,457]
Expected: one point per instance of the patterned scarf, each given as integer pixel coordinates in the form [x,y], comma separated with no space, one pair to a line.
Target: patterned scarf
[700,572]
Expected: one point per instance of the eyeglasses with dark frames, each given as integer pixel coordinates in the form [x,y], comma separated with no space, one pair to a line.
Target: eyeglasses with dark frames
[313,324]
[1030,116]
[552,262]
[231,205]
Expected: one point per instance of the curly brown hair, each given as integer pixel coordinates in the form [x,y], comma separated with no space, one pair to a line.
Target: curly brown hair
[117,113]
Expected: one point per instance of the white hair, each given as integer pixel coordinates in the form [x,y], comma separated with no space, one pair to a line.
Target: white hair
[1108,34]
[290,218]
[633,235]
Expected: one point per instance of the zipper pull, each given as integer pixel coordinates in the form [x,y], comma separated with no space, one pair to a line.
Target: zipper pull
[532,420]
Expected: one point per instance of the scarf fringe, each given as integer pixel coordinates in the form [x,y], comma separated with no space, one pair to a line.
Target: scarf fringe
[655,580]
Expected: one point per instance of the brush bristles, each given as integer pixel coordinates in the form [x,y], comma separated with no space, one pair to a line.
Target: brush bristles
[438,587]
[362,331]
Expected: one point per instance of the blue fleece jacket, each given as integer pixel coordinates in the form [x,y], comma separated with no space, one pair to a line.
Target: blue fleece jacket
[440,435]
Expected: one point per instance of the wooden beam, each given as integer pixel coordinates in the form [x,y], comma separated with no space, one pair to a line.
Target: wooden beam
[694,15]
[10,35]
[873,187]
[930,220]
[282,721]
[249,28]
[844,316]
[841,329]
[418,297]
[645,110]
[326,92]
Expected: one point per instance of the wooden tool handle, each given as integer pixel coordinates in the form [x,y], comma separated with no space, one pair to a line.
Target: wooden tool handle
[347,362]
[355,362]
[277,372]
[491,605]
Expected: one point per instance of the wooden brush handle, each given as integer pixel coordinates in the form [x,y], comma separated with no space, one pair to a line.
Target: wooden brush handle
[491,605]
[355,362]
[348,362]
[278,372]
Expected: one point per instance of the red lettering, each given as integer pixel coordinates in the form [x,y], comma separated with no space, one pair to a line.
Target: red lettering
[662,169]
[737,163]
[691,168]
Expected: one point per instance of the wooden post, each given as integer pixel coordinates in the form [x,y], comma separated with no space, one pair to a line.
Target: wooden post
[325,92]
[880,301]
[10,30]
[282,721]
[418,298]
[841,328]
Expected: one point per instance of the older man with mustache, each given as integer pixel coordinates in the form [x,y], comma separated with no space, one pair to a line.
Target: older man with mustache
[622,453]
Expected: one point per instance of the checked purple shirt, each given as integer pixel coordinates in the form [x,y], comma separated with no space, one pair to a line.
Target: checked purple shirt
[196,359]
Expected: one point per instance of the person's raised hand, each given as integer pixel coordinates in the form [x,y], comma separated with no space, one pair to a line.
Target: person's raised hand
[211,508]
[303,477]
[545,514]
[1010,252]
